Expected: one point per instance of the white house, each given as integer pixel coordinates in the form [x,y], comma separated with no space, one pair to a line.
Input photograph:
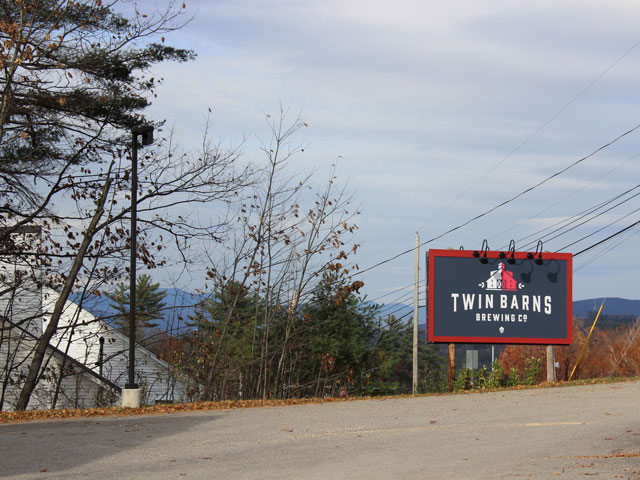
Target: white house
[105,351]
[77,387]
[86,363]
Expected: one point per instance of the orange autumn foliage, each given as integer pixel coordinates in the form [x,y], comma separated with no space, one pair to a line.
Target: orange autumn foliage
[611,352]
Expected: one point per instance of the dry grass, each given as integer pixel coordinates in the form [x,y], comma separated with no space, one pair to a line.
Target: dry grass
[34,415]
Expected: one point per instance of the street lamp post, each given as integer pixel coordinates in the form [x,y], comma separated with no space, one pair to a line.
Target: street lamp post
[131,392]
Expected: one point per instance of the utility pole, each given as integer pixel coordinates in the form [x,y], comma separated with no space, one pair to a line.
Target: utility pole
[416,292]
[551,364]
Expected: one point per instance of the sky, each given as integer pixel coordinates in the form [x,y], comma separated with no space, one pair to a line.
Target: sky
[435,112]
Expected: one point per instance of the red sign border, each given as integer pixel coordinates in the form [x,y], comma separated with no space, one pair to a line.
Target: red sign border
[568,257]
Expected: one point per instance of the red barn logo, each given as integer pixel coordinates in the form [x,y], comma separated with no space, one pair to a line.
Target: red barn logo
[501,280]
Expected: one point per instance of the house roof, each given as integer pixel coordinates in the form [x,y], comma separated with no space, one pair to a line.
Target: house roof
[72,361]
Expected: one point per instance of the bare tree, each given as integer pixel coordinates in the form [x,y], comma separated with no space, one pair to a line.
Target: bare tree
[289,235]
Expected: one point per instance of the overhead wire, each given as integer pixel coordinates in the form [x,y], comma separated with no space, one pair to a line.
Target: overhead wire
[386,308]
[587,220]
[590,210]
[394,304]
[383,312]
[538,130]
[598,230]
[525,141]
[408,313]
[564,199]
[403,298]
[595,257]
[505,202]
[403,307]
[628,227]
[575,217]
[393,307]
[570,221]
[404,316]
[395,291]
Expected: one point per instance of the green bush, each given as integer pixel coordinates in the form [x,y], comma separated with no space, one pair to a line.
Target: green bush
[531,370]
[485,379]
[465,379]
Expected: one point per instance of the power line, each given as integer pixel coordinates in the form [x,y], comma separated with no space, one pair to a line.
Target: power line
[405,315]
[404,307]
[395,291]
[584,222]
[409,313]
[590,210]
[599,230]
[384,311]
[538,130]
[575,217]
[408,294]
[564,199]
[515,197]
[395,302]
[607,239]
[610,249]
[532,135]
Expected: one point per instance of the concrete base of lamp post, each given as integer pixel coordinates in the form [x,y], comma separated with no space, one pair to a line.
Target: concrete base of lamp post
[131,397]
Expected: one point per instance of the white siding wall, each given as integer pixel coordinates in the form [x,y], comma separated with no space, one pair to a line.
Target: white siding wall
[78,335]
[79,389]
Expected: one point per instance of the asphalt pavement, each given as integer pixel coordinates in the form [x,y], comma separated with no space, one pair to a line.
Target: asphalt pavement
[567,433]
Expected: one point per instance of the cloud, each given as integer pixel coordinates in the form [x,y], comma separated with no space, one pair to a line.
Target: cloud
[422,99]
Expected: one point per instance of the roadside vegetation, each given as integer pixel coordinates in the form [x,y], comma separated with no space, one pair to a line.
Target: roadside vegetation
[60,414]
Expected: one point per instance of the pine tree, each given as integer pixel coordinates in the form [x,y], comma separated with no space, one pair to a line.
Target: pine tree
[224,341]
[73,80]
[149,304]
[393,358]
[340,338]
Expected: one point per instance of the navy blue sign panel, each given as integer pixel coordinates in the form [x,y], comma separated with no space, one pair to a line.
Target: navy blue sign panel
[501,299]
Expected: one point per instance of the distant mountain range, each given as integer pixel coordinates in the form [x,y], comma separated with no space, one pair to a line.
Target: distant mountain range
[612,306]
[181,305]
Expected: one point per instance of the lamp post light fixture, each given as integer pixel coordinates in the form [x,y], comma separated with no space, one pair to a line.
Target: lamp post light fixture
[131,392]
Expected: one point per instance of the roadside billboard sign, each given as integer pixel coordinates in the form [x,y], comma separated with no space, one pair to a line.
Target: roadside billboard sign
[495,297]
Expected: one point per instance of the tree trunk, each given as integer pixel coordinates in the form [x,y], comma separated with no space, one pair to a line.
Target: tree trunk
[43,341]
